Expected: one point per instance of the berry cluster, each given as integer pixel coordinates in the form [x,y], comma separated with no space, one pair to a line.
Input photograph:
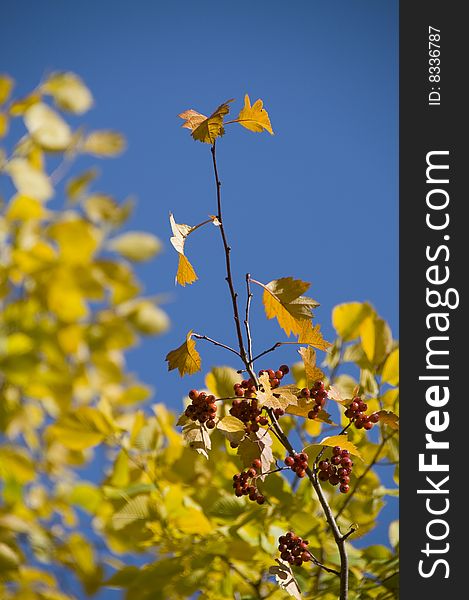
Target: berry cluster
[249,413]
[337,469]
[318,394]
[298,463]
[293,549]
[244,483]
[356,413]
[275,376]
[202,408]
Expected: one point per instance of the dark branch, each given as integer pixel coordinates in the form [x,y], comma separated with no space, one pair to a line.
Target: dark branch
[207,339]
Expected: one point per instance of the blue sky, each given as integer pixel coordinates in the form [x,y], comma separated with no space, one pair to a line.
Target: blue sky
[317,201]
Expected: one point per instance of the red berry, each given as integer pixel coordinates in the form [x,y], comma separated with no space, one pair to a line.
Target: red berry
[305,557]
[323,475]
[345,479]
[289,461]
[368,425]
[193,394]
[346,462]
[374,418]
[271,373]
[353,406]
[256,463]
[301,473]
[278,374]
[334,479]
[336,450]
[251,472]
[323,465]
[260,499]
[303,456]
[344,488]
[274,382]
[210,424]
[284,368]
[335,460]
[305,393]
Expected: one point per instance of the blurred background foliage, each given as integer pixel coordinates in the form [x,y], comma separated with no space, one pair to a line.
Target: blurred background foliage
[161,521]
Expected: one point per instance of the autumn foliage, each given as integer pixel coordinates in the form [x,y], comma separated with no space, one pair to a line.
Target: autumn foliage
[238,496]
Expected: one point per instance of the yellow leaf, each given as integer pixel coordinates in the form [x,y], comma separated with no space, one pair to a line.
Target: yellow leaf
[286,579]
[64,298]
[185,273]
[19,107]
[69,92]
[342,441]
[10,560]
[28,180]
[255,117]
[312,336]
[230,424]
[390,372]
[23,208]
[78,185]
[347,318]
[6,85]
[16,464]
[313,373]
[185,358]
[3,125]
[206,129]
[257,445]
[220,381]
[104,143]
[283,299]
[77,240]
[135,245]
[16,344]
[47,128]
[389,418]
[197,437]
[83,428]
[376,338]
[148,318]
[274,398]
[193,521]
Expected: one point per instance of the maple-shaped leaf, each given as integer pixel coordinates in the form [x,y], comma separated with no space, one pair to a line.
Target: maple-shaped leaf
[274,398]
[313,373]
[283,299]
[389,418]
[285,578]
[255,117]
[312,336]
[206,129]
[185,358]
[197,438]
[185,273]
[257,445]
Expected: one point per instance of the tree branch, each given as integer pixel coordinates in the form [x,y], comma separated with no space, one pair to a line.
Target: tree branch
[246,319]
[204,337]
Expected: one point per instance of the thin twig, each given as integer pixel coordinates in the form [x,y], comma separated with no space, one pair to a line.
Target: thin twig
[323,566]
[207,339]
[246,319]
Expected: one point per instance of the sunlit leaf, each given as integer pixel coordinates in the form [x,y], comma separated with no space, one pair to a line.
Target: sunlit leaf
[255,117]
[69,92]
[390,372]
[274,398]
[185,273]
[28,180]
[309,334]
[77,186]
[135,245]
[6,85]
[206,129]
[285,579]
[331,441]
[197,438]
[257,445]
[83,428]
[283,299]
[313,373]
[389,418]
[376,338]
[220,381]
[23,208]
[47,128]
[3,125]
[347,318]
[104,143]
[185,358]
